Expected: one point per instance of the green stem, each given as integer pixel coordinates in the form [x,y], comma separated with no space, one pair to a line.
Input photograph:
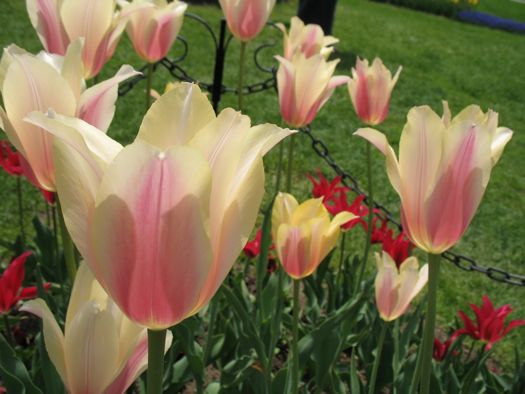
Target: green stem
[295,333]
[377,361]
[149,79]
[290,164]
[67,244]
[213,316]
[279,168]
[240,83]
[370,200]
[20,211]
[395,364]
[430,322]
[339,276]
[275,329]
[10,337]
[156,342]
[55,236]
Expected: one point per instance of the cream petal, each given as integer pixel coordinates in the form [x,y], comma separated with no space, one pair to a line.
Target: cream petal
[408,278]
[85,289]
[73,68]
[33,85]
[150,203]
[53,337]
[45,18]
[312,208]
[176,117]
[283,208]
[379,140]
[97,104]
[91,348]
[500,139]
[386,284]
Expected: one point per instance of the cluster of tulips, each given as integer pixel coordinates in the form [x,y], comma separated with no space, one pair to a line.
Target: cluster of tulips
[159,223]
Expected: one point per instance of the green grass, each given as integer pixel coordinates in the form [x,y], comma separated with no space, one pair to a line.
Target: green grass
[442,60]
[504,8]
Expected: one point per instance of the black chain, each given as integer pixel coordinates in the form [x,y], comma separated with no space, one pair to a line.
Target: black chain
[463,262]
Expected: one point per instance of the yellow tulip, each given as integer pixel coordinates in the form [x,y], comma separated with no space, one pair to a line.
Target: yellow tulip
[303,234]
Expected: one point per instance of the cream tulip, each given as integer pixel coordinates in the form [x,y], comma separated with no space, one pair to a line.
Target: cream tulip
[305,85]
[443,170]
[370,89]
[307,39]
[100,350]
[303,234]
[153,26]
[396,286]
[60,22]
[246,18]
[170,212]
[36,83]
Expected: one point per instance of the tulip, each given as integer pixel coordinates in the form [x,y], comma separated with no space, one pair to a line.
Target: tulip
[370,90]
[170,212]
[37,83]
[100,350]
[153,26]
[252,248]
[397,286]
[399,248]
[490,323]
[246,18]
[307,39]
[60,22]
[303,234]
[305,85]
[11,290]
[324,188]
[443,170]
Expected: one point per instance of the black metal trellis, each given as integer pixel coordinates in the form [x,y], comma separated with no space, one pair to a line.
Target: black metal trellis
[217,89]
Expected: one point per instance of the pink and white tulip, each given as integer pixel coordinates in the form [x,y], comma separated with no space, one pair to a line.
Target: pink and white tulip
[36,83]
[305,85]
[396,286]
[443,170]
[60,22]
[304,234]
[169,213]
[307,39]
[153,26]
[100,350]
[246,18]
[370,89]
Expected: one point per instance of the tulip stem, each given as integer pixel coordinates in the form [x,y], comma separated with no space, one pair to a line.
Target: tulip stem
[20,212]
[211,325]
[377,361]
[149,79]
[240,82]
[10,337]
[156,342]
[279,168]
[295,334]
[430,322]
[370,203]
[290,164]
[339,277]
[67,244]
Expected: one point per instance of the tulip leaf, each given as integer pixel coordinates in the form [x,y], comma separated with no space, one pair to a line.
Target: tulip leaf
[262,262]
[52,380]
[355,386]
[13,371]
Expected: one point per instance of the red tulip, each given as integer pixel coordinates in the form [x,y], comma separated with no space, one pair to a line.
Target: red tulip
[253,248]
[10,160]
[398,248]
[441,348]
[490,323]
[324,188]
[11,290]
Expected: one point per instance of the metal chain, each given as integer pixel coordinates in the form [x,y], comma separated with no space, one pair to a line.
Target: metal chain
[463,262]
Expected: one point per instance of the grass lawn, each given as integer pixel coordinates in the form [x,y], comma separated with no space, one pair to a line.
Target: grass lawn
[504,8]
[442,60]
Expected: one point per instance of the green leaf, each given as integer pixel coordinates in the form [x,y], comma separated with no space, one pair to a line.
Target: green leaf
[355,385]
[13,371]
[52,380]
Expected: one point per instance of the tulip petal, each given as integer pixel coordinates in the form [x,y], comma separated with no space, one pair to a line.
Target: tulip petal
[379,140]
[85,288]
[91,348]
[500,139]
[408,278]
[97,104]
[312,208]
[176,117]
[148,232]
[53,337]
[386,284]
[283,207]
[293,249]
[72,68]
[33,85]
[45,18]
